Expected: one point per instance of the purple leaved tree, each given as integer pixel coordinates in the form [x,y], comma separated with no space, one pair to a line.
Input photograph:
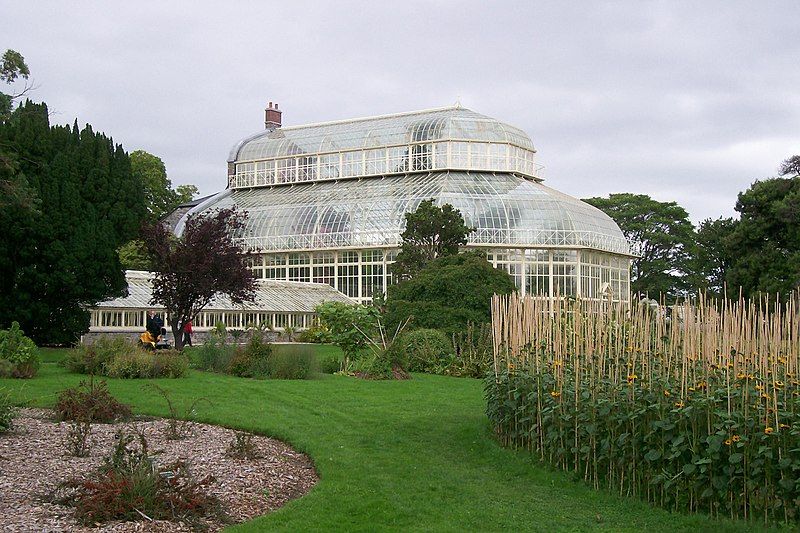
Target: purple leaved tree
[206,261]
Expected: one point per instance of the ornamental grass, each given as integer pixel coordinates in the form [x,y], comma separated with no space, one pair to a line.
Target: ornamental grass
[695,407]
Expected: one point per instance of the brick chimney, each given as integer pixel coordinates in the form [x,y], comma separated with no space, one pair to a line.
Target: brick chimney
[272,117]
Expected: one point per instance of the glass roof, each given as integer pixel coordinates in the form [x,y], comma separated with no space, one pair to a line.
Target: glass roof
[506,210]
[271,295]
[389,130]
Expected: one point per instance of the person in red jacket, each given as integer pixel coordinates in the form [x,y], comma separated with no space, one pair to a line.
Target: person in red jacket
[187,334]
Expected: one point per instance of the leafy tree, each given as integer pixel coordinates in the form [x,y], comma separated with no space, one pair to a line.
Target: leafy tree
[713,255]
[58,248]
[350,326]
[430,232]
[206,261]
[133,255]
[663,236]
[448,293]
[790,167]
[12,67]
[185,193]
[159,195]
[765,244]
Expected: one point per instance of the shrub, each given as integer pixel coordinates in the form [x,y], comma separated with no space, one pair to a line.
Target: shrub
[118,358]
[423,350]
[77,441]
[169,364]
[350,326]
[293,362]
[317,334]
[242,447]
[129,485]
[252,359]
[130,365]
[380,364]
[90,401]
[94,358]
[449,293]
[215,354]
[7,412]
[330,365]
[18,353]
[473,352]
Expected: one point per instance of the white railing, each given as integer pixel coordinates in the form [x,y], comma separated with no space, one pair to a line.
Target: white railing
[416,157]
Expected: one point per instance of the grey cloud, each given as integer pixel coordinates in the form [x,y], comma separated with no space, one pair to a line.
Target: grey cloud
[685,101]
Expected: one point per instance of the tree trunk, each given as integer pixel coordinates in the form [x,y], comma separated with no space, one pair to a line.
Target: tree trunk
[177,332]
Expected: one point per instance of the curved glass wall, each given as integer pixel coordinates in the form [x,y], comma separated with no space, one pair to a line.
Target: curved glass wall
[504,209]
[364,274]
[455,123]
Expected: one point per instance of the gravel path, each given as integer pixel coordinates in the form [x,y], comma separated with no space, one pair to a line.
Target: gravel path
[33,461]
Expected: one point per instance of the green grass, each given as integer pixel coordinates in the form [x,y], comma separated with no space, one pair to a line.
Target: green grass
[411,455]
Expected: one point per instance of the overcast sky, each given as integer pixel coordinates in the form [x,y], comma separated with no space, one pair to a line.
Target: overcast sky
[684,101]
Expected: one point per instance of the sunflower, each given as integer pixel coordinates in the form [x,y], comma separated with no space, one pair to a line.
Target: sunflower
[555,394]
[768,430]
[736,438]
[728,442]
[678,404]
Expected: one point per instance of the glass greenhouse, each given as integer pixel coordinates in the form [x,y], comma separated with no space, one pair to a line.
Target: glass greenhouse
[326,203]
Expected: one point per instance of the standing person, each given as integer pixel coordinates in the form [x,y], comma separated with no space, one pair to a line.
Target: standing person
[152,325]
[187,334]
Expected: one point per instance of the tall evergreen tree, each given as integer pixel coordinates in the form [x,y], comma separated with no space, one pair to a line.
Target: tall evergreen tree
[60,257]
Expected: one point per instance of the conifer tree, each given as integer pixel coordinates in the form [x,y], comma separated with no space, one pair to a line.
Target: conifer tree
[60,257]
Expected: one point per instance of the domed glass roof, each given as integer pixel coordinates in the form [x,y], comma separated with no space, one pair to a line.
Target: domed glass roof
[505,210]
[451,123]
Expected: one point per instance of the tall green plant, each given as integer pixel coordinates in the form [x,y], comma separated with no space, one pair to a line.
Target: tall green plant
[350,326]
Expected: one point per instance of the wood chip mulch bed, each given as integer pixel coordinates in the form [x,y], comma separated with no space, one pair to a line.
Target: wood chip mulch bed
[33,462]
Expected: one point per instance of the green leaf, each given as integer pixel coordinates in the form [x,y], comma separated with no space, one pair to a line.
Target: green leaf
[735,458]
[653,455]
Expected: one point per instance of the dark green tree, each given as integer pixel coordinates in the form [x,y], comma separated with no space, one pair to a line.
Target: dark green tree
[713,256]
[766,242]
[431,232]
[661,234]
[59,258]
[447,294]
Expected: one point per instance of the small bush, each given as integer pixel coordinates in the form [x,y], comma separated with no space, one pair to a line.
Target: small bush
[215,354]
[317,334]
[77,441]
[381,364]
[144,364]
[18,353]
[251,360]
[423,350]
[130,485]
[90,401]
[169,364]
[330,365]
[94,358]
[242,447]
[293,362]
[7,412]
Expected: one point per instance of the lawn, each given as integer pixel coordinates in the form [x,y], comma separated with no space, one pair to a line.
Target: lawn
[403,455]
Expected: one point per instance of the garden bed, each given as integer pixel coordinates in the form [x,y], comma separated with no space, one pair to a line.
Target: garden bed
[33,462]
